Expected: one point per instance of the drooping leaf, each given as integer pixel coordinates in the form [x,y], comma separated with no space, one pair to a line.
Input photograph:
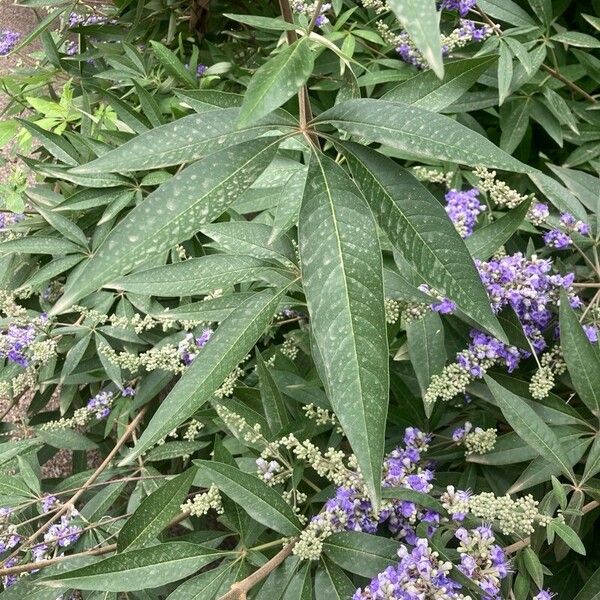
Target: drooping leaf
[421,20]
[343,281]
[155,512]
[419,228]
[141,569]
[276,81]
[232,341]
[171,214]
[530,427]
[273,404]
[260,501]
[582,358]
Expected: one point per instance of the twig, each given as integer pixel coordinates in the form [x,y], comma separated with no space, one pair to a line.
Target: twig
[71,502]
[239,589]
[569,83]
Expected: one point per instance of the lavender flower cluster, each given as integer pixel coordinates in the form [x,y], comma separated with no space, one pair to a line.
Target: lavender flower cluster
[561,238]
[462,6]
[100,405]
[463,208]
[8,40]
[75,19]
[303,7]
[14,343]
[532,290]
[189,346]
[8,219]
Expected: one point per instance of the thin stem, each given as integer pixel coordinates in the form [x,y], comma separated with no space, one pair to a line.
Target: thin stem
[239,590]
[71,502]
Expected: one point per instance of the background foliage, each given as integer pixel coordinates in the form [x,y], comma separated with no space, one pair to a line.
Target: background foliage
[244,257]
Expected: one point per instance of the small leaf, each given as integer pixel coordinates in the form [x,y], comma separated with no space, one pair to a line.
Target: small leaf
[273,404]
[155,512]
[581,357]
[260,501]
[204,586]
[142,569]
[172,64]
[276,81]
[530,427]
[592,464]
[505,72]
[421,20]
[568,536]
[331,583]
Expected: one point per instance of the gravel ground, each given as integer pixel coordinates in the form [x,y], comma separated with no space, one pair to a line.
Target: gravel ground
[14,18]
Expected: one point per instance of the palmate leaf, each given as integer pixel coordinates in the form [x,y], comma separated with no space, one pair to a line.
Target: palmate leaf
[419,133]
[260,501]
[343,281]
[232,341]
[141,569]
[582,358]
[421,19]
[171,214]
[530,428]
[181,141]
[276,81]
[419,228]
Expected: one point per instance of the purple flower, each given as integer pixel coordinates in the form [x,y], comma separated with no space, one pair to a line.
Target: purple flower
[469,31]
[8,40]
[462,6]
[49,502]
[10,580]
[64,533]
[538,213]
[8,219]
[201,70]
[128,391]
[544,595]
[100,404]
[202,340]
[15,341]
[555,238]
[591,332]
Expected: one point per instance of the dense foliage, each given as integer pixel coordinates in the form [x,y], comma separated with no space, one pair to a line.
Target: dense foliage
[301,303]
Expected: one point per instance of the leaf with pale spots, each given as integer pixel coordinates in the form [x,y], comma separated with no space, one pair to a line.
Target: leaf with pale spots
[142,569]
[171,214]
[182,141]
[276,81]
[230,344]
[418,133]
[419,228]
[343,281]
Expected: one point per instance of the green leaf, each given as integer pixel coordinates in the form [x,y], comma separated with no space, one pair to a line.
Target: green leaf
[197,275]
[171,214]
[204,586]
[506,10]
[64,226]
[591,588]
[331,583]
[361,553]
[530,427]
[273,404]
[56,145]
[421,20]
[66,438]
[13,486]
[277,81]
[209,311]
[514,121]
[260,501]
[181,141]
[419,228]
[505,72]
[232,341]
[426,349]
[39,245]
[172,65]
[155,512]
[576,38]
[419,133]
[592,464]
[485,241]
[425,89]
[142,569]
[343,281]
[568,536]
[10,450]
[583,361]
[419,498]
[262,22]
[176,449]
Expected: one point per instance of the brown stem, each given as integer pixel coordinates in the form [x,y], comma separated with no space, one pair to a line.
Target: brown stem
[240,589]
[71,502]
[569,83]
